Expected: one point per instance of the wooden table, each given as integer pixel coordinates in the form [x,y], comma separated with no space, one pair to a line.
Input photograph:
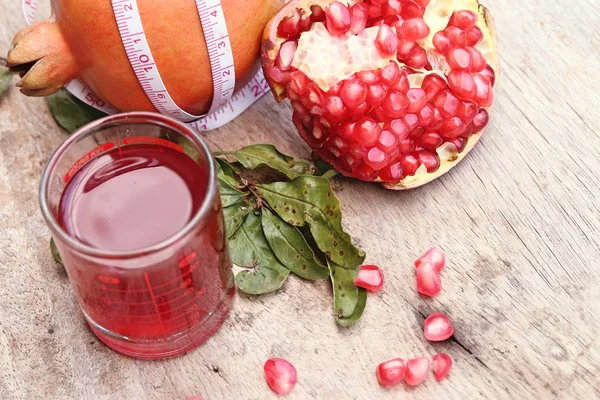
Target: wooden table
[519,219]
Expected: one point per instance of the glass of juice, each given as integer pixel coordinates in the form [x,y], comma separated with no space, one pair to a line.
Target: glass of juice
[134,209]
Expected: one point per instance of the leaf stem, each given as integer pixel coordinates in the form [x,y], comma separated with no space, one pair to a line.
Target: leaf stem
[330,174]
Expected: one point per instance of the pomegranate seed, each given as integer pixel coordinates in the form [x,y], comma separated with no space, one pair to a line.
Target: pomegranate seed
[317,14]
[374,11]
[354,93]
[379,2]
[417,370]
[463,19]
[412,121]
[488,72]
[393,21]
[335,108]
[478,63]
[418,58]
[433,256]
[365,173]
[395,105]
[429,282]
[376,95]
[403,84]
[386,41]
[480,121]
[299,82]
[437,120]
[474,36]
[399,128]
[410,164]
[467,111]
[441,366]
[484,91]
[369,277]
[346,130]
[417,98]
[417,132]
[441,43]
[447,104]
[377,159]
[315,95]
[367,132]
[459,58]
[462,84]
[468,131]
[430,161]
[422,3]
[392,8]
[408,146]
[431,141]
[289,26]
[425,115]
[412,10]
[368,77]
[438,328]
[405,48]
[388,141]
[452,128]
[337,18]
[359,14]
[414,29]
[390,74]
[392,173]
[286,55]
[456,36]
[305,24]
[391,372]
[281,375]
[433,85]
[278,76]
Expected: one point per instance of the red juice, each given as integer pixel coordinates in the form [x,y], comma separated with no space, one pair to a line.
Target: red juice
[126,200]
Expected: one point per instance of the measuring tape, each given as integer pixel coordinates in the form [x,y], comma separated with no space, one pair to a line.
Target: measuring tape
[225,105]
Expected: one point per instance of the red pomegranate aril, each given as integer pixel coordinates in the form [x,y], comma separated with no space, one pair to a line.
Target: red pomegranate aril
[461,142]
[369,277]
[484,91]
[431,141]
[346,130]
[417,132]
[442,363]
[334,106]
[429,282]
[405,48]
[318,132]
[441,43]
[403,84]
[462,84]
[386,41]
[374,11]
[414,29]
[430,161]
[367,132]
[337,18]
[315,95]
[390,373]
[278,75]
[418,58]
[392,173]
[467,111]
[488,72]
[399,127]
[422,3]
[359,14]
[433,256]
[447,104]
[395,105]
[452,128]
[417,370]
[305,24]
[368,77]
[410,164]
[365,173]
[437,120]
[354,93]
[299,82]
[478,62]
[412,10]
[377,159]
[390,74]
[425,115]
[459,58]
[376,94]
[456,35]
[286,55]
[357,151]
[480,121]
[393,21]
[281,375]
[317,14]
[388,141]
[407,146]
[474,36]
[379,2]
[433,86]
[438,327]
[392,8]
[417,98]
[412,121]
[289,26]
[463,19]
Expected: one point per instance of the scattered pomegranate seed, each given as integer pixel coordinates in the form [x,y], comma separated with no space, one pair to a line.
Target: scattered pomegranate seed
[337,18]
[417,370]
[438,327]
[433,256]
[391,372]
[442,363]
[281,375]
[429,282]
[369,277]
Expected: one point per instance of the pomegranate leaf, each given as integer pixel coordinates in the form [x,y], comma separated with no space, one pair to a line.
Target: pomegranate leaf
[55,253]
[361,304]
[226,173]
[70,112]
[345,294]
[254,156]
[248,247]
[6,78]
[291,248]
[234,216]
[229,194]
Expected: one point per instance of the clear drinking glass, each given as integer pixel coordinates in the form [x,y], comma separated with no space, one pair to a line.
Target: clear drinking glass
[161,300]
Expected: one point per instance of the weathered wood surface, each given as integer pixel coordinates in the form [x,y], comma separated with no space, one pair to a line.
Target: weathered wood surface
[519,219]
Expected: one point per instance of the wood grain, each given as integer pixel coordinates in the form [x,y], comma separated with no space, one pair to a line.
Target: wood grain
[519,219]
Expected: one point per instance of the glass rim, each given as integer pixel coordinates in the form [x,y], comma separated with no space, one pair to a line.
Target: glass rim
[128,117]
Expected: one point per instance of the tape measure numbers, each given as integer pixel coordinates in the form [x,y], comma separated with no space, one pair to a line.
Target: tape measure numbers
[225,105]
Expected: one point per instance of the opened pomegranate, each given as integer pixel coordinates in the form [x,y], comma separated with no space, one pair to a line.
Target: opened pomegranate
[394,91]
[83,41]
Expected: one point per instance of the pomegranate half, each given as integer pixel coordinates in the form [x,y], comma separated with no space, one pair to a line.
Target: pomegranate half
[83,41]
[393,91]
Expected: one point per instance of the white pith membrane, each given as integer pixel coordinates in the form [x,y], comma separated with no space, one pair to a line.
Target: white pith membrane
[328,60]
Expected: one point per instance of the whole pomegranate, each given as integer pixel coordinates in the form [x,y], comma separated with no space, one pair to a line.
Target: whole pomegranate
[393,91]
[84,41]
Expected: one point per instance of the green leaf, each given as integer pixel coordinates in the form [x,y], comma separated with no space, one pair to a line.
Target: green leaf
[358,311]
[229,194]
[55,253]
[234,216]
[70,112]
[6,78]
[249,248]
[290,247]
[266,154]
[226,173]
[345,294]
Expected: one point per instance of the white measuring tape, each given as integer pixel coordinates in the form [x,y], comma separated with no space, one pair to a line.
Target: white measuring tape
[225,105]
